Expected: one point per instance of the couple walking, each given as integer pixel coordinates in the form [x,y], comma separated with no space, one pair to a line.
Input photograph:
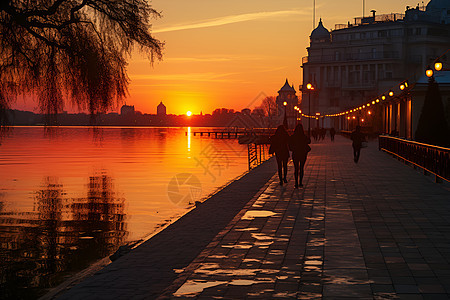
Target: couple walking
[281,143]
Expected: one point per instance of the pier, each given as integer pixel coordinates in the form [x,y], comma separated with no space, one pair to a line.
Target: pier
[232,133]
[378,229]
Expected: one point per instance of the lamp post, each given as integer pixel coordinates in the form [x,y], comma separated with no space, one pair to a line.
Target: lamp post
[430,74]
[285,123]
[296,117]
[310,88]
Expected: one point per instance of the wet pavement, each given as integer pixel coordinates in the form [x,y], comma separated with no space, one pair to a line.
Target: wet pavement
[373,230]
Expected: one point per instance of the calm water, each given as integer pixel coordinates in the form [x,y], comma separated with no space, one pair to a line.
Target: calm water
[69,196]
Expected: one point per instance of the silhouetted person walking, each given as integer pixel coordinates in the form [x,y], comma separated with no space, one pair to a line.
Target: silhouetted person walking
[298,142]
[332,133]
[358,138]
[279,145]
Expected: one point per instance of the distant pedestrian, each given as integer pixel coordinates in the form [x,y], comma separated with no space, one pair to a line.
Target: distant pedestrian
[332,133]
[298,142]
[323,133]
[279,146]
[315,134]
[358,138]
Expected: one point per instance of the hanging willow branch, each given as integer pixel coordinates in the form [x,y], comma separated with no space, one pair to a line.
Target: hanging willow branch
[71,49]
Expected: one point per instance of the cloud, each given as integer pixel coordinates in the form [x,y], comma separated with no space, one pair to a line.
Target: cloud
[231,20]
[208,76]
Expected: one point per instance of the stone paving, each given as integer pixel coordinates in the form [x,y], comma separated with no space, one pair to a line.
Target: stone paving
[373,230]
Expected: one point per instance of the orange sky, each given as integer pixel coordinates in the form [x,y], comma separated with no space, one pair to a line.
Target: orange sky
[226,53]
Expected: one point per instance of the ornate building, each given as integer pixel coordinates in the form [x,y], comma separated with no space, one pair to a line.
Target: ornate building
[356,62]
[287,94]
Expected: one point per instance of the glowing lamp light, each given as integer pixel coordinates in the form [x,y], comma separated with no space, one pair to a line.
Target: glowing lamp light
[364,106]
[309,86]
[354,117]
[383,97]
[317,114]
[373,102]
[391,93]
[406,83]
[369,112]
[348,118]
[438,65]
[362,120]
[189,113]
[284,103]
[377,101]
[368,104]
[299,111]
[295,107]
[429,72]
[402,86]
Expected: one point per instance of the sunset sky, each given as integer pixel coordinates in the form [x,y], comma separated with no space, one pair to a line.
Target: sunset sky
[226,53]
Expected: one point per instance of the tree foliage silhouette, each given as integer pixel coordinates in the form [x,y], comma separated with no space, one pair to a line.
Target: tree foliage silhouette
[73,50]
[433,127]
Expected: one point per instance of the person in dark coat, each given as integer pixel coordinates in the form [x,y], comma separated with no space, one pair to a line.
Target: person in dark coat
[332,133]
[279,145]
[298,142]
[358,138]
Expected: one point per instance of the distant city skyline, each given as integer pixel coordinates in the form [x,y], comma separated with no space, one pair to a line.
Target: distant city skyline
[224,54]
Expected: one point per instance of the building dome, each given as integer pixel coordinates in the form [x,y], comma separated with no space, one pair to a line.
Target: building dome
[320,32]
[287,88]
[438,5]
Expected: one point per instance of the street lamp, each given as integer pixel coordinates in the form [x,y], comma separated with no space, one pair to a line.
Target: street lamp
[285,123]
[438,65]
[429,72]
[310,88]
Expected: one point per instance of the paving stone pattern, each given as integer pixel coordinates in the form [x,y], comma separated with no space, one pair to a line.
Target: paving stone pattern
[373,230]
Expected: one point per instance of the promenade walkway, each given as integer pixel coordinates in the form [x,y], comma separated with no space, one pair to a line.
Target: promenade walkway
[372,230]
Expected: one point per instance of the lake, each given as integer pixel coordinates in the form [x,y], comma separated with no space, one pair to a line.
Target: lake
[72,195]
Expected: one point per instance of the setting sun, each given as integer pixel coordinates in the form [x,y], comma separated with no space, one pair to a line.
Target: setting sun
[189,113]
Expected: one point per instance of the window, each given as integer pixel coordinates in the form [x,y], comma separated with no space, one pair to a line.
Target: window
[337,56]
[382,33]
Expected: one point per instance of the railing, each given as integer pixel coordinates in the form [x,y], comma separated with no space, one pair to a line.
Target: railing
[257,154]
[432,159]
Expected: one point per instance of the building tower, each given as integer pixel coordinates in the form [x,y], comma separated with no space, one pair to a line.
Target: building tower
[287,94]
[161,110]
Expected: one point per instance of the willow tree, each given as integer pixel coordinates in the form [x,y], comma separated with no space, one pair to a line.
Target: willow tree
[76,50]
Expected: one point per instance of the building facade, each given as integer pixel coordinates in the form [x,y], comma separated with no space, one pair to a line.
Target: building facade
[127,110]
[357,62]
